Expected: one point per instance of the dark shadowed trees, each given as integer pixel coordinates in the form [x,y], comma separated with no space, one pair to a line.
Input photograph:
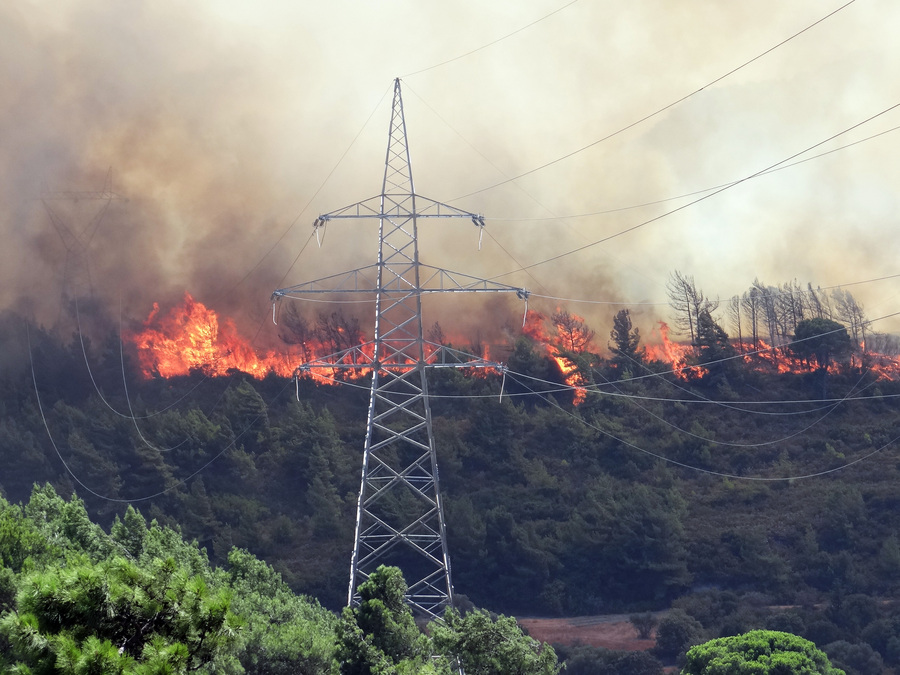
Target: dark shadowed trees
[822,339]
[676,633]
[487,646]
[625,342]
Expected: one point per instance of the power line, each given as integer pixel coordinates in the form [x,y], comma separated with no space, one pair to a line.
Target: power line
[772,290]
[117,500]
[598,302]
[309,202]
[655,202]
[698,469]
[829,409]
[559,388]
[625,208]
[698,200]
[490,44]
[659,111]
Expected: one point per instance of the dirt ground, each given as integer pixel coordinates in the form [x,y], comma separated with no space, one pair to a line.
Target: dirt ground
[610,631]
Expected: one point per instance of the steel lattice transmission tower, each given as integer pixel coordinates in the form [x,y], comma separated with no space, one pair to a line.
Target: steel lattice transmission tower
[400,516]
[77,228]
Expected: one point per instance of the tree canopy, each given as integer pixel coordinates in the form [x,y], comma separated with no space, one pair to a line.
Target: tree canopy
[822,339]
[140,600]
[759,652]
[625,341]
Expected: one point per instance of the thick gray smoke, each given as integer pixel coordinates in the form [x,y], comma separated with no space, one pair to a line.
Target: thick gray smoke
[219,124]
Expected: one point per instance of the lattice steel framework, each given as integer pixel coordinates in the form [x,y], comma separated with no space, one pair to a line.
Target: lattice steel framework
[400,516]
[78,233]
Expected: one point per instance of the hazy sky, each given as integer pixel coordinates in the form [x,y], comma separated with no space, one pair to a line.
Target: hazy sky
[223,122]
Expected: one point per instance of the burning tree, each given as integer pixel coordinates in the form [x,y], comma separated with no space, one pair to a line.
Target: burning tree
[714,349]
[572,332]
[851,313]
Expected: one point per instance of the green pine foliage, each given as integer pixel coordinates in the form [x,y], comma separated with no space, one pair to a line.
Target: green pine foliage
[759,652]
[485,645]
[74,599]
[141,600]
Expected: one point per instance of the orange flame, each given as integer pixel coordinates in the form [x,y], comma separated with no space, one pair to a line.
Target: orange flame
[674,353]
[191,337]
[535,329]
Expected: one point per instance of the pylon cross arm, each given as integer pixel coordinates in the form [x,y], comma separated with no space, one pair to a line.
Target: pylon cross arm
[360,356]
[399,205]
[365,280]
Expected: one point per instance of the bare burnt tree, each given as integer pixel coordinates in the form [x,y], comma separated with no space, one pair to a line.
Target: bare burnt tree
[766,296]
[574,334]
[790,303]
[294,329]
[688,302]
[883,343]
[820,303]
[733,312]
[850,312]
[436,335]
[682,291]
[750,305]
[338,332]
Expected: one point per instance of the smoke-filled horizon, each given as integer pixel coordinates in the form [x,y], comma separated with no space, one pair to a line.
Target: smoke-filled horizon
[221,124]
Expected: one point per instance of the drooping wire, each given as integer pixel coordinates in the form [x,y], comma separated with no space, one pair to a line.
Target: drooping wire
[118,500]
[828,410]
[556,387]
[542,394]
[492,43]
[551,387]
[310,200]
[128,397]
[695,201]
[698,469]
[656,202]
[97,387]
[659,111]
[598,388]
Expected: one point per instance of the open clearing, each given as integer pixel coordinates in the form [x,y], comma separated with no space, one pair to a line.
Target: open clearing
[613,631]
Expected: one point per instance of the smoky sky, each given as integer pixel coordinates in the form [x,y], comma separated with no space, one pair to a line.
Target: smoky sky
[221,124]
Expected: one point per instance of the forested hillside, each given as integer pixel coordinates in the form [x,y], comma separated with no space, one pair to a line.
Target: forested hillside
[772,488]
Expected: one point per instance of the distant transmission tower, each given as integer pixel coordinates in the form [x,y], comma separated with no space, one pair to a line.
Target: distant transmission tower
[76,225]
[400,516]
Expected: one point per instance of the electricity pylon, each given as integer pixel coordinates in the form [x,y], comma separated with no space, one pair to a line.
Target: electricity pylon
[400,515]
[76,228]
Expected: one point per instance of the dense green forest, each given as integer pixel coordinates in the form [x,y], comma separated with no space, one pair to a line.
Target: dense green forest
[723,494]
[140,600]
